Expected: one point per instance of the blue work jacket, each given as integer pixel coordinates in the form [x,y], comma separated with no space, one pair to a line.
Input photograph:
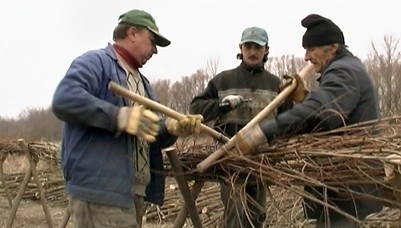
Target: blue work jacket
[97,160]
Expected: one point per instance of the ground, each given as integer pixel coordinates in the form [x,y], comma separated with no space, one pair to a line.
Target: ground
[30,214]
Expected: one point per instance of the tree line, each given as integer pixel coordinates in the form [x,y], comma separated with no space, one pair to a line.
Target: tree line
[35,124]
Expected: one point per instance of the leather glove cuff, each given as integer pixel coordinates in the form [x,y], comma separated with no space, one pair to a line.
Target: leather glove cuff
[247,141]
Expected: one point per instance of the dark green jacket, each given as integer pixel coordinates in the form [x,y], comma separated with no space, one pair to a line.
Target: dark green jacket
[256,84]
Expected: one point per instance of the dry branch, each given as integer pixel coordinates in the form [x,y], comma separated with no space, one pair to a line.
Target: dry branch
[337,159]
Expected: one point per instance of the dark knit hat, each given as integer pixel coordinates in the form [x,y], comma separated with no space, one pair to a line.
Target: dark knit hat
[320,31]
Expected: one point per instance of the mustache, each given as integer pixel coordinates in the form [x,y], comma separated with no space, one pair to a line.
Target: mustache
[253,57]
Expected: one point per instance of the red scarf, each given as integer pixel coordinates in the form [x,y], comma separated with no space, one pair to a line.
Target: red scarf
[128,58]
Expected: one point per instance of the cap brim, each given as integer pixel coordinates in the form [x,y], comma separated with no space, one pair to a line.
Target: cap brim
[159,39]
[261,43]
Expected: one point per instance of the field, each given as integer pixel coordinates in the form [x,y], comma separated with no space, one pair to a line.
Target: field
[30,212]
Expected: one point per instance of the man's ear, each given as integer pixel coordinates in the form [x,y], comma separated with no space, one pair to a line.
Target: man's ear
[265,58]
[267,49]
[334,48]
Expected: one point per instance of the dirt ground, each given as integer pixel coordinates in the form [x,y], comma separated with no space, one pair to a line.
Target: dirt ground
[30,214]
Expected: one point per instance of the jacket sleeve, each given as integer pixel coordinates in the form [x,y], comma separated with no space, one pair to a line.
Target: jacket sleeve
[82,97]
[326,107]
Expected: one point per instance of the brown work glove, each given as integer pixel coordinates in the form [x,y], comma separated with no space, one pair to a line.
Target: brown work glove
[300,92]
[190,124]
[248,140]
[138,121]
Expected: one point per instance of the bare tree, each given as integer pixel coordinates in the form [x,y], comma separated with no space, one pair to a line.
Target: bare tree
[211,69]
[385,68]
[161,89]
[288,65]
[182,92]
[32,124]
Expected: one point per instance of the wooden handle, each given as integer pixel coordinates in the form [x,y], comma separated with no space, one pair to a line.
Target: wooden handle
[120,90]
[207,162]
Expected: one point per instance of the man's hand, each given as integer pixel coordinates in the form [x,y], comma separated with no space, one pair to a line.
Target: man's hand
[248,140]
[300,92]
[139,121]
[234,100]
[191,124]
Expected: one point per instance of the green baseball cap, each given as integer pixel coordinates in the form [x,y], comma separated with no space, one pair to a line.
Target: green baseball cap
[255,35]
[142,18]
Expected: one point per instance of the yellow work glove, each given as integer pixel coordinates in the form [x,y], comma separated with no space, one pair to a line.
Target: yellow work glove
[300,92]
[190,124]
[248,140]
[139,121]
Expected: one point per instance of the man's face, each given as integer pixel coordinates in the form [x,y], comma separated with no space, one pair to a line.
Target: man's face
[320,56]
[143,44]
[252,53]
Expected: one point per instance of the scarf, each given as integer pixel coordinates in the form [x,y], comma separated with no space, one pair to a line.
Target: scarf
[128,58]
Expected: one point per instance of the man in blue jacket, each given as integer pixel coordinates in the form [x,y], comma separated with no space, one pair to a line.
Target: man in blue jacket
[111,147]
[346,95]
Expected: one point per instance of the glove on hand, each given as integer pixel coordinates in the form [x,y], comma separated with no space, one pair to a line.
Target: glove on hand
[191,124]
[139,121]
[300,92]
[234,100]
[248,140]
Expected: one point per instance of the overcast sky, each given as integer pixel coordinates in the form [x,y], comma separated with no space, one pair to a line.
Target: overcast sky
[40,38]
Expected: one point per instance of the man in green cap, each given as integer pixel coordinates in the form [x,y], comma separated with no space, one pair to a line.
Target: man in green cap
[111,144]
[224,102]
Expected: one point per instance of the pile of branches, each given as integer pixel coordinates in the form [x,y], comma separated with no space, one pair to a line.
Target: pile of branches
[335,160]
[47,156]
[48,152]
[208,205]
[345,156]
[52,183]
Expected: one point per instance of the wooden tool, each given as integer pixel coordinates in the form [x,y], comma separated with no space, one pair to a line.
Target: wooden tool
[207,162]
[120,90]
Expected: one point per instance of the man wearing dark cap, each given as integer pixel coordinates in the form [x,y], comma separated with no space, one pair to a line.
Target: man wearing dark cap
[346,95]
[224,102]
[111,144]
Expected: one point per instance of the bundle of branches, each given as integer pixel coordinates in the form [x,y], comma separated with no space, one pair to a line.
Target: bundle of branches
[52,183]
[9,147]
[335,160]
[45,151]
[208,205]
[48,154]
